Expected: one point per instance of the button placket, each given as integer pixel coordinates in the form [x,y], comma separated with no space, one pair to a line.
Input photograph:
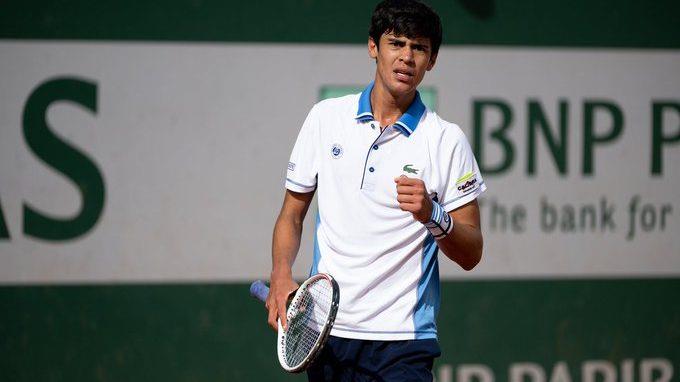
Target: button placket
[372,161]
[375,157]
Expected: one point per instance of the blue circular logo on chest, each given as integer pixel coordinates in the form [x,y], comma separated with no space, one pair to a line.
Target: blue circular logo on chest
[336,151]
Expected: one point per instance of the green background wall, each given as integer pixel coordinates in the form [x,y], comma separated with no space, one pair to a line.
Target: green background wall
[582,23]
[217,332]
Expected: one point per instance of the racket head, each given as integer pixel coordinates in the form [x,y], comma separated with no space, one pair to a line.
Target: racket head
[310,317]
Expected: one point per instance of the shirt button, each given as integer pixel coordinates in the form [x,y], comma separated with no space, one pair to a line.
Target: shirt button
[371,169]
[375,147]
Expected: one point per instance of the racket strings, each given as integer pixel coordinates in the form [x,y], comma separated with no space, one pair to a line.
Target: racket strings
[306,319]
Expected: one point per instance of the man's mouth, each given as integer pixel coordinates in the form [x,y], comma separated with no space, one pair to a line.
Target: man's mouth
[403,74]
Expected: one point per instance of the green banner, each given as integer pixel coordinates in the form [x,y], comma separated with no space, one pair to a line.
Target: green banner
[582,23]
[509,330]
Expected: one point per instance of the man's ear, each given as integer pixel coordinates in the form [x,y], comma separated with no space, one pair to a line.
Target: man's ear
[433,60]
[372,48]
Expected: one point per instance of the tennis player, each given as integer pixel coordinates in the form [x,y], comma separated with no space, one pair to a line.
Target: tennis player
[395,184]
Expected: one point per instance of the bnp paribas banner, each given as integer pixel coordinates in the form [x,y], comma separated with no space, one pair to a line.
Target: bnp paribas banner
[165,161]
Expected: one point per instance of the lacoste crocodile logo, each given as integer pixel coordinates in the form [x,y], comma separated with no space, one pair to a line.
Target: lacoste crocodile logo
[409,169]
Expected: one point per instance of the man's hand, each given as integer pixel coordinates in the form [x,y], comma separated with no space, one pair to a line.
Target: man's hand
[281,286]
[412,197]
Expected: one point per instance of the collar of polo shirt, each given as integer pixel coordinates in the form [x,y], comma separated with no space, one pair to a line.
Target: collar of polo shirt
[408,122]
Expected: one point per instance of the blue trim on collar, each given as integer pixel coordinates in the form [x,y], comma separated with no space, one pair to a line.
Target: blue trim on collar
[365,113]
[410,119]
[406,124]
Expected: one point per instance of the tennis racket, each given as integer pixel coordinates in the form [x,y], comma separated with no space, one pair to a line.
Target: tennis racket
[310,316]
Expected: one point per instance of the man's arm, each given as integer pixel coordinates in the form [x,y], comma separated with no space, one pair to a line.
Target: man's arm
[285,245]
[462,245]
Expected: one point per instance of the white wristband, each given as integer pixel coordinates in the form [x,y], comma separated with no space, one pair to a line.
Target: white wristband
[440,223]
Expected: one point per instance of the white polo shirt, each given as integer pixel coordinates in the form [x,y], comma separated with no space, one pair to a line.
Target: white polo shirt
[385,261]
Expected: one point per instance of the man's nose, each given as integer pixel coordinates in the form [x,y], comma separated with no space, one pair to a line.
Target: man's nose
[407,55]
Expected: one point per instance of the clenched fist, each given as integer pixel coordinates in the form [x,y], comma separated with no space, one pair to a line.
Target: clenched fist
[413,197]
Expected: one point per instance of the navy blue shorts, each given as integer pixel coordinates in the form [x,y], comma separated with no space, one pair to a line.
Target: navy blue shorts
[344,359]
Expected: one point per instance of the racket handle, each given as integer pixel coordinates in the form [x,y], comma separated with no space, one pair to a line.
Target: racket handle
[259,290]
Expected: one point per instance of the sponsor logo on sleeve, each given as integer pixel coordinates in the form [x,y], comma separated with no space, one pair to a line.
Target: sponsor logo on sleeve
[291,166]
[467,182]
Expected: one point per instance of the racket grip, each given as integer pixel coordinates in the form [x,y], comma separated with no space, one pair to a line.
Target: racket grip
[259,290]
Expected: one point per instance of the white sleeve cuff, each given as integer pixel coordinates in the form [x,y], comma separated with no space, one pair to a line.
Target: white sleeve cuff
[464,199]
[299,187]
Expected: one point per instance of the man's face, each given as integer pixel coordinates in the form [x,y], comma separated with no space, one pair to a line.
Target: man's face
[401,61]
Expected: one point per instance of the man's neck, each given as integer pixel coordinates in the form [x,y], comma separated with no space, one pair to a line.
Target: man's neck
[387,109]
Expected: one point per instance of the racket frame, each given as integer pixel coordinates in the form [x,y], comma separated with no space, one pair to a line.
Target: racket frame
[323,336]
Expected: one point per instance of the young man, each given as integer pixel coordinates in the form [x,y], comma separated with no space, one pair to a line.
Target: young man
[395,183]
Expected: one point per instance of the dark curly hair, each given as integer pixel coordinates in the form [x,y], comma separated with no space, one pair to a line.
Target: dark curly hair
[409,18]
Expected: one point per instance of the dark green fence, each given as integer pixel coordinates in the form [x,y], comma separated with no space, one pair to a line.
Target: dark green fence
[218,332]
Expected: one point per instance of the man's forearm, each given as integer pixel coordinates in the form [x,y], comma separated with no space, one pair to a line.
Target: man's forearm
[285,244]
[288,231]
[463,245]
